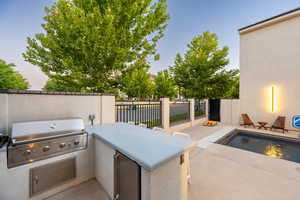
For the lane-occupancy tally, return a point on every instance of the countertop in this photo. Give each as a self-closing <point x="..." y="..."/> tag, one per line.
<point x="147" y="147"/>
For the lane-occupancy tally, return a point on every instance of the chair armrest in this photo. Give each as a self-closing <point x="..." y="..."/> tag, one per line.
<point x="183" y="135"/>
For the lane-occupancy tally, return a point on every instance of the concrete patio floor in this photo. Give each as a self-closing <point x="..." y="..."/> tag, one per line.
<point x="89" y="190"/>
<point x="224" y="173"/>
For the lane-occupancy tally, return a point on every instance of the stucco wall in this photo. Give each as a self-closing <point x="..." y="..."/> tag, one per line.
<point x="270" y="57"/>
<point x="31" y="107"/>
<point x="230" y="111"/>
<point x="104" y="166"/>
<point x="169" y="181"/>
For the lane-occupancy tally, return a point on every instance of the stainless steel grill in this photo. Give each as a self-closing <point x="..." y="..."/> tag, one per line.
<point x="32" y="141"/>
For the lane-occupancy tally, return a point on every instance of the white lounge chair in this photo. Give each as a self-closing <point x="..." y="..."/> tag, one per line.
<point x="158" y="129"/>
<point x="143" y="125"/>
<point x="131" y="122"/>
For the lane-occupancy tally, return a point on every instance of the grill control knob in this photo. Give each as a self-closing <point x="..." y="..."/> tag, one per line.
<point x="27" y="152"/>
<point x="62" y="145"/>
<point x="76" y="142"/>
<point x="46" y="148"/>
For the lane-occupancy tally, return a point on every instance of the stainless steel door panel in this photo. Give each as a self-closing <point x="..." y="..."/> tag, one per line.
<point x="45" y="177"/>
<point x="127" y="178"/>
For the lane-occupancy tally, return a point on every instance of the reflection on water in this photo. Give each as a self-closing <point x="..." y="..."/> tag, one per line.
<point x="274" y="150"/>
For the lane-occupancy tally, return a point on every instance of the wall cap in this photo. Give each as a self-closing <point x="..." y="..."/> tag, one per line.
<point x="40" y="92"/>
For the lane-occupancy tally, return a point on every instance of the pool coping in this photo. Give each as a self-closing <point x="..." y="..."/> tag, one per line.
<point x="218" y="135"/>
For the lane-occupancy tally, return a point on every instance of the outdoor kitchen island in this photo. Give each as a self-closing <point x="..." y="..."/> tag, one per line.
<point x="133" y="162"/>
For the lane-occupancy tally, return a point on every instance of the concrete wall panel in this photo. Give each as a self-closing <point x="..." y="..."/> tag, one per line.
<point x="32" y="107"/>
<point x="230" y="111"/>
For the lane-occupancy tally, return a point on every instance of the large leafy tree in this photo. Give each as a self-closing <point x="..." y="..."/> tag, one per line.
<point x="88" y="44"/>
<point x="137" y="81"/>
<point x="201" y="73"/>
<point x="164" y="85"/>
<point x="10" y="79"/>
<point x="234" y="90"/>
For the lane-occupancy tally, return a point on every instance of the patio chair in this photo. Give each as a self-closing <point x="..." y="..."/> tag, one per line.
<point x="155" y="128"/>
<point x="186" y="136"/>
<point x="279" y="124"/>
<point x="143" y="125"/>
<point x="247" y="121"/>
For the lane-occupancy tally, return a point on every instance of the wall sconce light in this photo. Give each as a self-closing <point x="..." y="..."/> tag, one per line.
<point x="273" y="99"/>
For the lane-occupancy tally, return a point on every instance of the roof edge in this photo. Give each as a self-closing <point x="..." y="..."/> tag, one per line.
<point x="269" y="19"/>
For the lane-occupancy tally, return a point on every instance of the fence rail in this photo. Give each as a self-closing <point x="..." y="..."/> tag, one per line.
<point x="147" y="112"/>
<point x="200" y="109"/>
<point x="179" y="111"/>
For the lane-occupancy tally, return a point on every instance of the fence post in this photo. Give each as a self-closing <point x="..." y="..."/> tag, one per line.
<point x="206" y="108"/>
<point x="107" y="109"/>
<point x="165" y="113"/>
<point x="192" y="110"/>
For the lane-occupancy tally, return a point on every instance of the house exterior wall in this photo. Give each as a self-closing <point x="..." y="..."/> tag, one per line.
<point x="269" y="56"/>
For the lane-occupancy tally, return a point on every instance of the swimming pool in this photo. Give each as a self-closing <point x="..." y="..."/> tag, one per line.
<point x="273" y="146"/>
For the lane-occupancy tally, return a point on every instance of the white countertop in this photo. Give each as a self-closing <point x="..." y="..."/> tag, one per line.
<point x="147" y="147"/>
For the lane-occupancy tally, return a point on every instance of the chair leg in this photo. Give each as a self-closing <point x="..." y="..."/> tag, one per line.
<point x="189" y="177"/>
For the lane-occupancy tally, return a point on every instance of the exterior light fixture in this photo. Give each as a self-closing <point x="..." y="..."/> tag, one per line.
<point x="273" y="99"/>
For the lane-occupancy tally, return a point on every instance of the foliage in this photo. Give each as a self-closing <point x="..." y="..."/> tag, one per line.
<point x="57" y="86"/>
<point x="200" y="72"/>
<point x="10" y="79"/>
<point x="137" y="82"/>
<point x="88" y="45"/>
<point x="179" y="117"/>
<point x="164" y="85"/>
<point x="234" y="90"/>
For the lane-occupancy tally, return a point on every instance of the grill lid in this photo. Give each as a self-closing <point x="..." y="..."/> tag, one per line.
<point x="34" y="130"/>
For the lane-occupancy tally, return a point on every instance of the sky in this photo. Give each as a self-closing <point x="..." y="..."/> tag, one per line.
<point x="20" y="19"/>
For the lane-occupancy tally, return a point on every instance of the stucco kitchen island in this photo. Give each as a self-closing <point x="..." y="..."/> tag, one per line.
<point x="159" y="159"/>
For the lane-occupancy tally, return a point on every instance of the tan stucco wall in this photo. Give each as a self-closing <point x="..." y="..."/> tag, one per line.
<point x="230" y="111"/>
<point x="104" y="166"/>
<point x="31" y="107"/>
<point x="169" y="181"/>
<point x="270" y="57"/>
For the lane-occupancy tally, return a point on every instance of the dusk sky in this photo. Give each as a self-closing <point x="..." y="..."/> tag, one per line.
<point x="22" y="18"/>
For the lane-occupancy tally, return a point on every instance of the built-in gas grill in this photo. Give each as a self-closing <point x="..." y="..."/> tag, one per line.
<point x="38" y="140"/>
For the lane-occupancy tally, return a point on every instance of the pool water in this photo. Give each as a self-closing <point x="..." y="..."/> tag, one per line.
<point x="277" y="147"/>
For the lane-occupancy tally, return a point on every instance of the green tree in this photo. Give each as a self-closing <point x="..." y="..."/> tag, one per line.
<point x="164" y="85"/>
<point x="137" y="82"/>
<point x="88" y="45"/>
<point x="234" y="90"/>
<point x="10" y="79"/>
<point x="201" y="73"/>
<point x="57" y="86"/>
